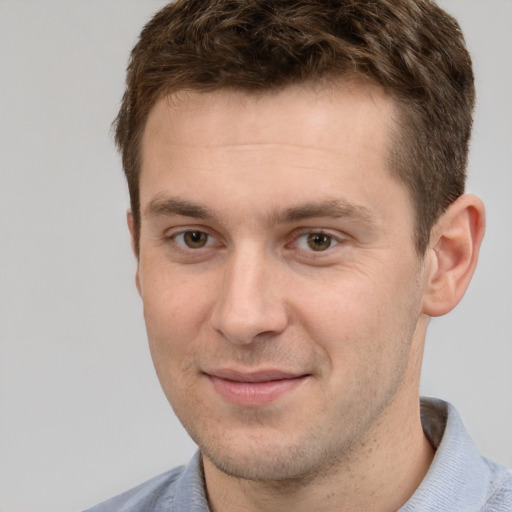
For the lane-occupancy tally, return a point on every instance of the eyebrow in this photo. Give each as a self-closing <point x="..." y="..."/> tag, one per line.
<point x="169" y="206"/>
<point x="336" y="208"/>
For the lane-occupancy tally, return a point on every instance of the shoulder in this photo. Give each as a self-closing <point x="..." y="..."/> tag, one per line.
<point x="180" y="488"/>
<point x="155" y="494"/>
<point x="500" y="489"/>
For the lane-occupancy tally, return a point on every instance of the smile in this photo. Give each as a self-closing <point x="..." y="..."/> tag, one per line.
<point x="254" y="389"/>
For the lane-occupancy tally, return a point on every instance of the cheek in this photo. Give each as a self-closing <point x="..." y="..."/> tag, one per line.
<point x="170" y="336"/>
<point x="338" y="309"/>
<point x="174" y="313"/>
<point x="363" y="319"/>
<point x="172" y="300"/>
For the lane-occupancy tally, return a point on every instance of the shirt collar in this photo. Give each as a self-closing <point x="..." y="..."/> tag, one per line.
<point x="458" y="477"/>
<point x="190" y="495"/>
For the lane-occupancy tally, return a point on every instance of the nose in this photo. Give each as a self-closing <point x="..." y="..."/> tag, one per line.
<point x="250" y="305"/>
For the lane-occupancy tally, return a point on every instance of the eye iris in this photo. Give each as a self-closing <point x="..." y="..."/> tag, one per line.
<point x="195" y="239"/>
<point x="319" y="241"/>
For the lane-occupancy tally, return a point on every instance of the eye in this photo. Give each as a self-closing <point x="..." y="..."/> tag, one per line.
<point x="316" y="242"/>
<point x="193" y="239"/>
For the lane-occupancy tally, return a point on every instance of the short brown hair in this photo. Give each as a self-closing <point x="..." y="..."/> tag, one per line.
<point x="411" y="48"/>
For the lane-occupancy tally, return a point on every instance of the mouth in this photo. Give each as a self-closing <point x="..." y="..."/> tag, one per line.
<point x="254" y="389"/>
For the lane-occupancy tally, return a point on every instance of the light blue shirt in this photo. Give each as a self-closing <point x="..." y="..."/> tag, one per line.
<point x="459" y="479"/>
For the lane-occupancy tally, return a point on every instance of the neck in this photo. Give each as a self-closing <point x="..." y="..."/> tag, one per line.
<point x="378" y="475"/>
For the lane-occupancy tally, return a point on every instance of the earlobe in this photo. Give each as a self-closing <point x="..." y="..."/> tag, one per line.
<point x="131" y="227"/>
<point x="453" y="252"/>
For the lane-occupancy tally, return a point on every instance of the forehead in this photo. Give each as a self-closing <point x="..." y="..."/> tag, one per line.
<point x="307" y="114"/>
<point x="255" y="152"/>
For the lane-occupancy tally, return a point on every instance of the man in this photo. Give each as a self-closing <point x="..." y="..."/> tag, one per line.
<point x="296" y="174"/>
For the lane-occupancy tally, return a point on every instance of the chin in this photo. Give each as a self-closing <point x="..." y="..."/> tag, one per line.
<point x="270" y="461"/>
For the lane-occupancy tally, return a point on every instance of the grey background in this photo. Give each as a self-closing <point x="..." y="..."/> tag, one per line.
<point x="82" y="416"/>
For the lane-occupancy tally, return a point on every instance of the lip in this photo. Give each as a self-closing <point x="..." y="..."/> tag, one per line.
<point x="251" y="389"/>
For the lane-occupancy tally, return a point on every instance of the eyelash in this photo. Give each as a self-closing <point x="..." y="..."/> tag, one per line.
<point x="178" y="239"/>
<point x="309" y="236"/>
<point x="191" y="232"/>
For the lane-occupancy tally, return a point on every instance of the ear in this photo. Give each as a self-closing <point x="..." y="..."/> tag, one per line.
<point x="453" y="253"/>
<point x="131" y="227"/>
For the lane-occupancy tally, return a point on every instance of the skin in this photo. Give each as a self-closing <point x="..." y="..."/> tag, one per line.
<point x="274" y="238"/>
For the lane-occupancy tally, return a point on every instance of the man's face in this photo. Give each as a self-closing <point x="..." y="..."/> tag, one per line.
<point x="282" y="291"/>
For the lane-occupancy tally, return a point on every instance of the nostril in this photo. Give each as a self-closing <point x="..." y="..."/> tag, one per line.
<point x="244" y="327"/>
